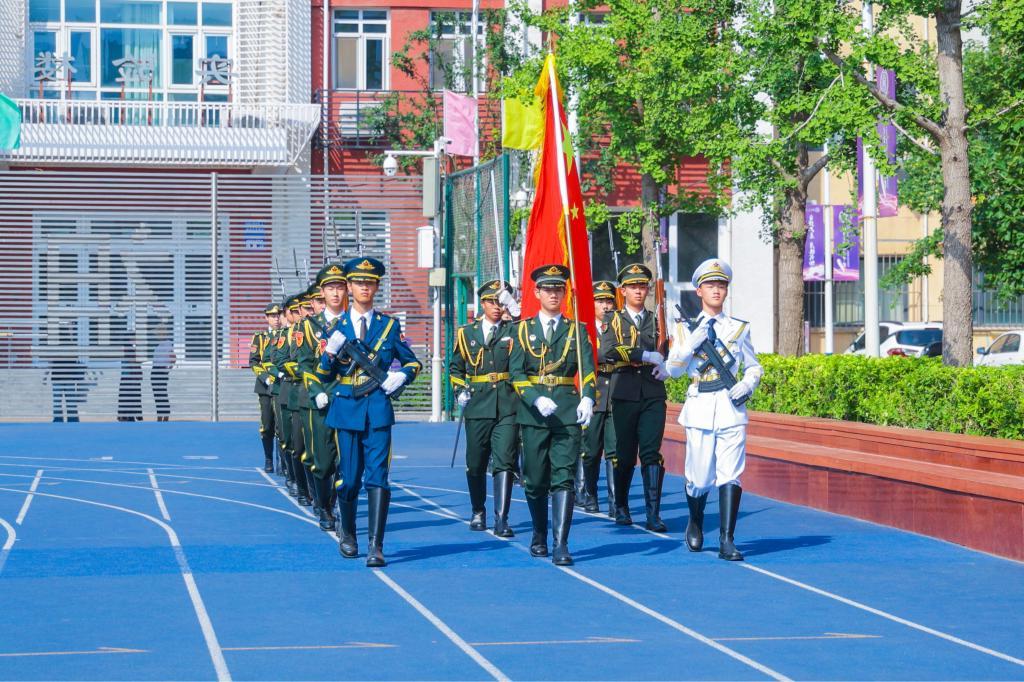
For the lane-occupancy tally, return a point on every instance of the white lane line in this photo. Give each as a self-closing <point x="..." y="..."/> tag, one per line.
<point x="12" y="535"/>
<point x="159" y="496"/>
<point x="209" y="635"/>
<point x="850" y="602"/>
<point x="170" y="473"/>
<point x="889" y="616"/>
<point x="103" y="650"/>
<point x="675" y="625"/>
<point x="28" y="498"/>
<point x="465" y="646"/>
<point x="99" y="460"/>
<point x="314" y="647"/>
<point x="560" y="642"/>
<point x="452" y="636"/>
<point x="827" y="635"/>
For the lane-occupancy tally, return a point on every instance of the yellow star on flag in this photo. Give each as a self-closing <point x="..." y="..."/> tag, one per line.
<point x="575" y="211"/>
<point x="570" y="153"/>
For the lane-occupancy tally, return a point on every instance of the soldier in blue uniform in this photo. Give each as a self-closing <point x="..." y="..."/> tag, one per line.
<point x="363" y="424"/>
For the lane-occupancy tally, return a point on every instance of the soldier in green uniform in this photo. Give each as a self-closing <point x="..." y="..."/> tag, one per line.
<point x="278" y="357"/>
<point x="321" y="453"/>
<point x="275" y="341"/>
<point x="479" y="373"/>
<point x="292" y="394"/>
<point x="259" y="363"/>
<point x="547" y="355"/>
<point x="599" y="437"/>
<point x="638" y="395"/>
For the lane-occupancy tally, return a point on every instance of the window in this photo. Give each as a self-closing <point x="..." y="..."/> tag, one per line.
<point x="698" y="241"/>
<point x="141" y="46"/>
<point x="44" y="10"/>
<point x="216" y="14"/>
<point x="216" y="46"/>
<point x="81" y="52"/>
<point x="918" y="337"/>
<point x="130" y="11"/>
<point x="182" y="14"/>
<point x="44" y="41"/>
<point x="452" y="62"/>
<point x="360" y="46"/>
<point x="848" y="299"/>
<point x="182" y="60"/>
<point x="1011" y="343"/>
<point x="80" y="10"/>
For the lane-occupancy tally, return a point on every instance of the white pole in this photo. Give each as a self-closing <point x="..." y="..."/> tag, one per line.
<point x="214" y="294"/>
<point x="325" y="85"/>
<point x="473" y="74"/>
<point x="826" y="207"/>
<point x="499" y="244"/>
<point x="435" y="361"/>
<point x="870" y="219"/>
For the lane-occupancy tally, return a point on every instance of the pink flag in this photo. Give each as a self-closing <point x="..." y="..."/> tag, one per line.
<point x="460" y="123"/>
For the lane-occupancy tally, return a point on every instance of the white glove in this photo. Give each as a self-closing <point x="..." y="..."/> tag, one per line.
<point x="697" y="338"/>
<point x="585" y="411"/>
<point x="508" y="300"/>
<point x="280" y="375"/>
<point x="394" y="382"/>
<point x="335" y="343"/>
<point x="321" y="401"/>
<point x="653" y="357"/>
<point x="269" y="381"/>
<point x="660" y="373"/>
<point x="546" y="406"/>
<point x="463" y="399"/>
<point x="739" y="391"/>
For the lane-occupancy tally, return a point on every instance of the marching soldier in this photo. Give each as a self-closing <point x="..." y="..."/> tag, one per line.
<point x="600" y="435"/>
<point x="363" y="419"/>
<point x="320" y="451"/>
<point x="479" y="372"/>
<point x="276" y="389"/>
<point x="714" y="413"/>
<point x="292" y="394"/>
<point x="544" y="367"/>
<point x="259" y="363"/>
<point x="278" y="357"/>
<point x="638" y="395"/>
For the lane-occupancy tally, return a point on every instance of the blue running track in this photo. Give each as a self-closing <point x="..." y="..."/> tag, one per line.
<point x="161" y="551"/>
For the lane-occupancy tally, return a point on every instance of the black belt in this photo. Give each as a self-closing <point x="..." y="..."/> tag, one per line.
<point x="710" y="386"/>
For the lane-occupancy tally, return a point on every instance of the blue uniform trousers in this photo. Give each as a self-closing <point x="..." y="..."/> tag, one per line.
<point x="364" y="459"/>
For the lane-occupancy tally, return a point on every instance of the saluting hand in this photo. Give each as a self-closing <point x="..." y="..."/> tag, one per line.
<point x="508" y="300"/>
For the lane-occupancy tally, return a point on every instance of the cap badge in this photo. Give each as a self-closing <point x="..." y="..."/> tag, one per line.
<point x="553" y="270"/>
<point x="365" y="265"/>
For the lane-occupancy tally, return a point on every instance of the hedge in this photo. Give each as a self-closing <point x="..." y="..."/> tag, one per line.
<point x="916" y="393"/>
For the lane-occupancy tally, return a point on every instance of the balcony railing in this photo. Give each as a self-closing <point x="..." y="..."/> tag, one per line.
<point x="376" y="119"/>
<point x="162" y="133"/>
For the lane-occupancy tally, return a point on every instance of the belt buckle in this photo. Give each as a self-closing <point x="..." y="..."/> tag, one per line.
<point x="492" y="377"/>
<point x="549" y="380"/>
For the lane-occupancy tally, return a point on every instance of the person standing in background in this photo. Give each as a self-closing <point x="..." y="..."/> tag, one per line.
<point x="164" y="360"/>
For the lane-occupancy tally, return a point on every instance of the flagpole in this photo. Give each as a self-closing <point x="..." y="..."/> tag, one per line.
<point x="563" y="188"/>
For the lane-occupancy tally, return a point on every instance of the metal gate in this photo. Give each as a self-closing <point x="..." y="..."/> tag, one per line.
<point x="114" y="289"/>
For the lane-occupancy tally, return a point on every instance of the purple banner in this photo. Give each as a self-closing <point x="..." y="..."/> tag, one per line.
<point x="845" y="244"/>
<point x="887" y="188"/>
<point x="814" y="246"/>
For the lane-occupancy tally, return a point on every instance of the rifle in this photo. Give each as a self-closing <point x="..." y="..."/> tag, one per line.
<point x="719" y="357"/>
<point x="660" y="314"/>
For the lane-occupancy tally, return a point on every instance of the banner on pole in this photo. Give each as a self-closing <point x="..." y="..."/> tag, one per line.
<point x="845" y="244"/>
<point x="814" y="245"/>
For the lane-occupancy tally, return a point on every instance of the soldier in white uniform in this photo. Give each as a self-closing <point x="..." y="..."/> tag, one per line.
<point x="714" y="414"/>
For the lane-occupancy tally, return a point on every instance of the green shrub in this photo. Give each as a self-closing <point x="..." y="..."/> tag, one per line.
<point x="911" y="392"/>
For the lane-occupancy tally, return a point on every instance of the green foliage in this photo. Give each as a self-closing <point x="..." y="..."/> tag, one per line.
<point x="909" y="392"/>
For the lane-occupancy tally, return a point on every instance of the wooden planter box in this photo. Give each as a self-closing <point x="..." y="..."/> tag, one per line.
<point x="964" y="489"/>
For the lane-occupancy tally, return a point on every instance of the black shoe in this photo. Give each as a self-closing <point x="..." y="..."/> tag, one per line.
<point x="609" y="481"/>
<point x="326" y="521"/>
<point x="539" y="515"/>
<point x="347" y="520"/>
<point x="268" y="466"/>
<point x="502" y="501"/>
<point x="623" y="481"/>
<point x="303" y="500"/>
<point x="378" y="500"/>
<point x="728" y="510"/>
<point x="622" y="517"/>
<point x="477" y="498"/>
<point x="695" y="526"/>
<point x="654" y="476"/>
<point x="561" y="521"/>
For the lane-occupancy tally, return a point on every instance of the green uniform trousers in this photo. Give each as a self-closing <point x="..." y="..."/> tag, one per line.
<point x="318" y="443"/>
<point x="295" y="441"/>
<point x="490" y="440"/>
<point x="639" y="429"/>
<point x="282" y="426"/>
<point x="599" y="437"/>
<point x="549" y="458"/>
<point x="268" y="415"/>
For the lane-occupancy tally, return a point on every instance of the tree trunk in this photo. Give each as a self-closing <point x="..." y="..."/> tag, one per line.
<point x="957" y="280"/>
<point x="791" y="278"/>
<point x="649" y="191"/>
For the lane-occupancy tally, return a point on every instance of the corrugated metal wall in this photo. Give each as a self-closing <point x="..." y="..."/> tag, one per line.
<point x="105" y="278"/>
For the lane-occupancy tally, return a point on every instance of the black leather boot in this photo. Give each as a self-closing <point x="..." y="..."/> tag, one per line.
<point x="609" y="482"/>
<point x="539" y="515"/>
<point x="561" y="521"/>
<point x="579" y="499"/>
<point x="654" y="477"/>
<point x="289" y="476"/>
<point x="502" y="501"/>
<point x="323" y="496"/>
<point x="695" y="526"/>
<point x="302" y="490"/>
<point x="477" y="499"/>
<point x="623" y="481"/>
<point x="728" y="509"/>
<point x="591" y="470"/>
<point x="268" y="453"/>
<point x="280" y="469"/>
<point x="311" y="488"/>
<point x="379" y="500"/>
<point x="347" y="545"/>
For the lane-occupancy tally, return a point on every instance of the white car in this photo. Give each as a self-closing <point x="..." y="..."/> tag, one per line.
<point x="1005" y="350"/>
<point x="885" y="330"/>
<point x="913" y="340"/>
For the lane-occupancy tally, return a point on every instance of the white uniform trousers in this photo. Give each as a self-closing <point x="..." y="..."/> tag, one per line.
<point x="714" y="457"/>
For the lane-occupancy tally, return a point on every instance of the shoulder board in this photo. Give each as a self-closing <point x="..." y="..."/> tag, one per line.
<point x="736" y="319"/>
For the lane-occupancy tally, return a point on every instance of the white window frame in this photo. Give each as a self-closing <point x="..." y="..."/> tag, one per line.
<point x="463" y="29"/>
<point x="362" y="37"/>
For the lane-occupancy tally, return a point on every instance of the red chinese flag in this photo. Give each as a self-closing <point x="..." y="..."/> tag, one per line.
<point x="558" y="198"/>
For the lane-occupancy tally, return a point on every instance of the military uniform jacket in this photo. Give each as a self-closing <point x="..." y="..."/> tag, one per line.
<point x="604" y="374"/>
<point x="310" y="342"/>
<point x="279" y="359"/>
<point x="622" y="346"/>
<point x="541" y="370"/>
<point x="374" y="410"/>
<point x="714" y="410"/>
<point x="483" y="370"/>
<point x="259" y="361"/>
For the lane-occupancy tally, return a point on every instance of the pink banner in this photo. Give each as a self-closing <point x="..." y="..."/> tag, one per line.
<point x="460" y="123"/>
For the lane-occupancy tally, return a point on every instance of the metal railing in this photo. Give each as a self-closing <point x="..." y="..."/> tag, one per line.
<point x="199" y="133"/>
<point x="375" y="119"/>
